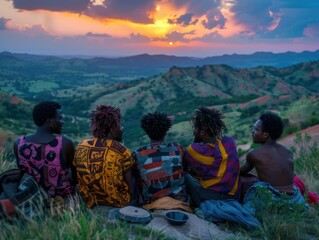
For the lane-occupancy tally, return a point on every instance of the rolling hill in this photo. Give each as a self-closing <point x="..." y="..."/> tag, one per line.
<point x="240" y="93"/>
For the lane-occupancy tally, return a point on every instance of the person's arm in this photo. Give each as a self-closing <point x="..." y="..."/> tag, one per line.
<point x="68" y="153"/>
<point x="127" y="176"/>
<point x="248" y="165"/>
<point x="15" y="150"/>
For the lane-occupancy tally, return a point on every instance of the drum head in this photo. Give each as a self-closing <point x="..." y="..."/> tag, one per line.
<point x="134" y="214"/>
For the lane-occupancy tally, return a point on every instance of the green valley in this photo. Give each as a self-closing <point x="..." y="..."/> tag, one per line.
<point x="79" y="85"/>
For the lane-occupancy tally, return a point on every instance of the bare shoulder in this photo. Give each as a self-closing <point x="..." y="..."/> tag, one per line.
<point x="253" y="155"/>
<point x="66" y="141"/>
<point x="284" y="150"/>
<point x="253" y="152"/>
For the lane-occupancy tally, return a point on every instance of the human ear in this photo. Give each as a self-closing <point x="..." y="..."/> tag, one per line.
<point x="266" y="134"/>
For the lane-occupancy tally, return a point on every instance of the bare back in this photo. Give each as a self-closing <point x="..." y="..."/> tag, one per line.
<point x="273" y="163"/>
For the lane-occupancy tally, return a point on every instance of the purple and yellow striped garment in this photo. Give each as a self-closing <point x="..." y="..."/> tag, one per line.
<point x="216" y="166"/>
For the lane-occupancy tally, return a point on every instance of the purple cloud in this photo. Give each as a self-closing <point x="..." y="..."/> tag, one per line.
<point x="97" y="35"/>
<point x="312" y="30"/>
<point x="210" y="37"/>
<point x="52" y="5"/>
<point x="183" y="20"/>
<point x="139" y="38"/>
<point x="214" y="19"/>
<point x="276" y="19"/>
<point x="293" y="23"/>
<point x="196" y="10"/>
<point x="257" y="16"/>
<point x="136" y="11"/>
<point x="3" y="23"/>
<point x="176" y="37"/>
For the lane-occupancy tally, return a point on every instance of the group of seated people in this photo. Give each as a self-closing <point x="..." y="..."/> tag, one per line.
<point x="105" y="172"/>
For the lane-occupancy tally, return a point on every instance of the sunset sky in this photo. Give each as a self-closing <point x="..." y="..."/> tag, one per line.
<point x="175" y="27"/>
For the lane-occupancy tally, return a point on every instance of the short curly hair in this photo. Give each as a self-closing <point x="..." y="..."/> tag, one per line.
<point x="105" y="118"/>
<point x="209" y="120"/>
<point x="44" y="110"/>
<point x="272" y="124"/>
<point x="156" y="125"/>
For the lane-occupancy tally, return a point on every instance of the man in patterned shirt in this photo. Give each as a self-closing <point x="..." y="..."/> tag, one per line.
<point x="103" y="163"/>
<point x="159" y="164"/>
<point x="46" y="154"/>
<point x="211" y="159"/>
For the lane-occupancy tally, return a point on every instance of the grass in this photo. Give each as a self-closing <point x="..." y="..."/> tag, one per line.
<point x="76" y="223"/>
<point x="278" y="221"/>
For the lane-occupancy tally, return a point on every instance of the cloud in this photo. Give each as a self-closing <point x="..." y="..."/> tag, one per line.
<point x="35" y="40"/>
<point x="52" y="5"/>
<point x="135" y="11"/>
<point x="176" y="37"/>
<point x="210" y="37"/>
<point x="139" y="38"/>
<point x="3" y="23"/>
<point x="97" y="35"/>
<point x="183" y="20"/>
<point x="35" y="30"/>
<point x="256" y="16"/>
<point x="214" y="19"/>
<point x="196" y="10"/>
<point x="312" y="30"/>
<point x="293" y="23"/>
<point x="275" y="19"/>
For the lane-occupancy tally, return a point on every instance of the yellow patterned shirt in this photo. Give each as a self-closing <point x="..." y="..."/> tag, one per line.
<point x="100" y="166"/>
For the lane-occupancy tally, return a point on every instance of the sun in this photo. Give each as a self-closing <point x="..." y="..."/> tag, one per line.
<point x="171" y="43"/>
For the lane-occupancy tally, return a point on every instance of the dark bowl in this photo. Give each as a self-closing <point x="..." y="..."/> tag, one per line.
<point x="176" y="218"/>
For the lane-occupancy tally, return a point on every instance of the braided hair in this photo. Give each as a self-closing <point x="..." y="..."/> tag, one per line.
<point x="105" y="118"/>
<point x="156" y="125"/>
<point x="209" y="120"/>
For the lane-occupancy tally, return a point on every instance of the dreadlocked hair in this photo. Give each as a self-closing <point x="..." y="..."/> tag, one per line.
<point x="209" y="120"/>
<point x="105" y="118"/>
<point x="156" y="125"/>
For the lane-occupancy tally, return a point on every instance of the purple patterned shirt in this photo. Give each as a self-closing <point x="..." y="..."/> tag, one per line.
<point x="216" y="166"/>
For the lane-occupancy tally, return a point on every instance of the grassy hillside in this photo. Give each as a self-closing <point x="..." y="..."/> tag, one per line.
<point x="79" y="224"/>
<point x="240" y="93"/>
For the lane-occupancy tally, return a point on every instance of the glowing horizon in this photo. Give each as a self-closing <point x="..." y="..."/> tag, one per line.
<point x="175" y="27"/>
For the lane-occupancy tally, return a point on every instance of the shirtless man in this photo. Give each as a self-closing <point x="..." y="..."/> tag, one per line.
<point x="273" y="162"/>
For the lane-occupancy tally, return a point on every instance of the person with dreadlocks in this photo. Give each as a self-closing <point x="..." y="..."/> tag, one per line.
<point x="103" y="163"/>
<point x="159" y="166"/>
<point x="211" y="160"/>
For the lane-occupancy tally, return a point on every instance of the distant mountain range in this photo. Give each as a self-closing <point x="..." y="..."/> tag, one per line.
<point x="81" y="84"/>
<point x="145" y="65"/>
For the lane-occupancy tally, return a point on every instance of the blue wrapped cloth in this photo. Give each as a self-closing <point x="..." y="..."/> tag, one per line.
<point x="253" y="200"/>
<point x="230" y="210"/>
